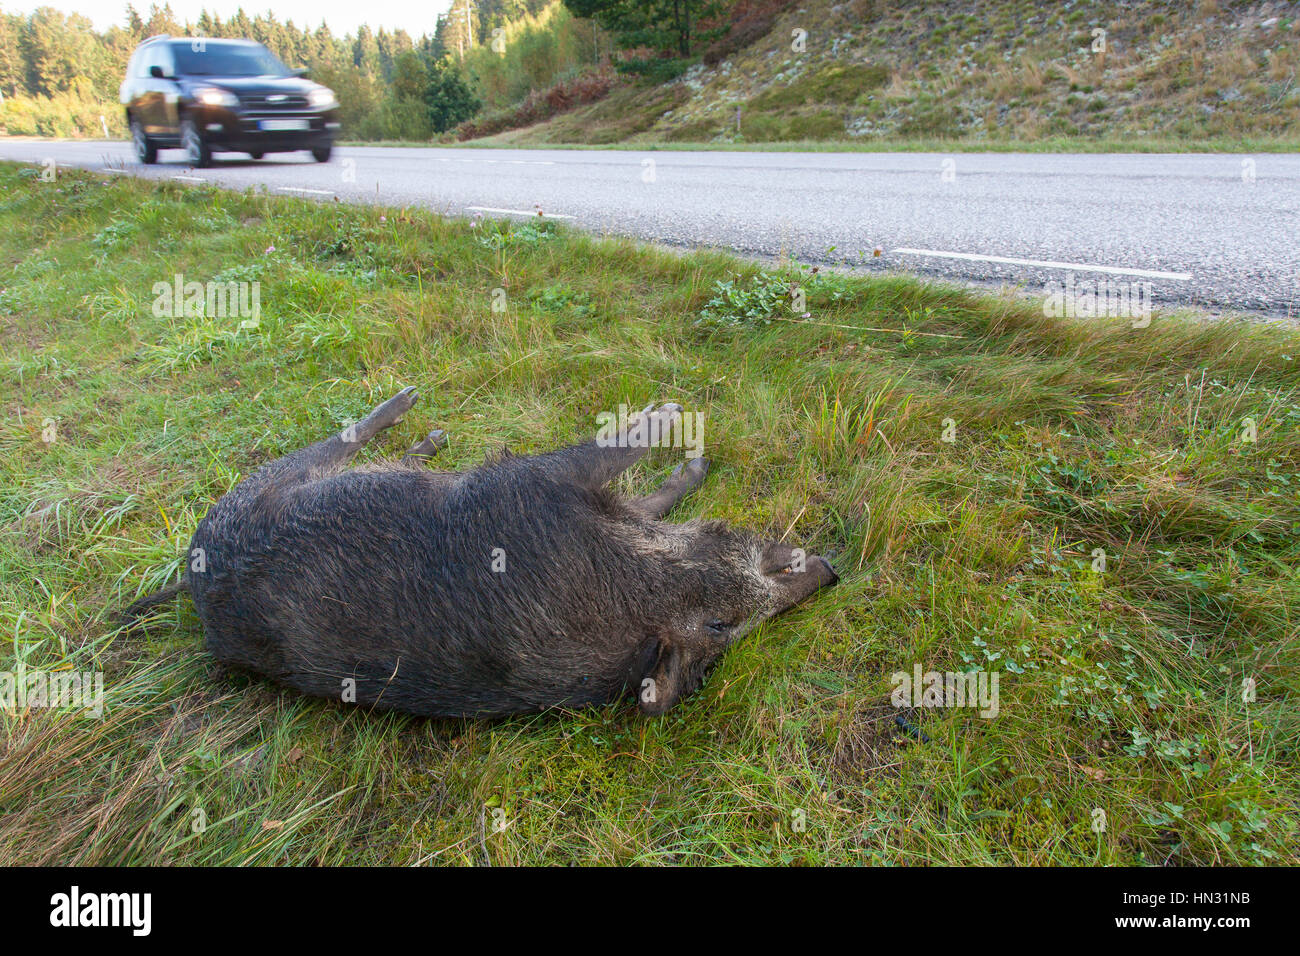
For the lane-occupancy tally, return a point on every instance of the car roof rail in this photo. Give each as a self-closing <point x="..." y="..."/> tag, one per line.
<point x="159" y="36"/>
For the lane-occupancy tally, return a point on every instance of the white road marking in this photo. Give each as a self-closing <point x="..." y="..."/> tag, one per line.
<point x="107" y="169"/>
<point x="519" y="212"/>
<point x="513" y="162"/>
<point x="1049" y="264"/>
<point x="296" y="189"/>
<point x="190" y="179"/>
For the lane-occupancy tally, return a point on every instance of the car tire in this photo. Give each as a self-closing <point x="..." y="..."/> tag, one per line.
<point x="322" y="153"/>
<point x="145" y="150"/>
<point x="256" y="155"/>
<point x="196" y="148"/>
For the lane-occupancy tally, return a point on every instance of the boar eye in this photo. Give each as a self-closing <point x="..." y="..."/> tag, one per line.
<point x="718" y="626"/>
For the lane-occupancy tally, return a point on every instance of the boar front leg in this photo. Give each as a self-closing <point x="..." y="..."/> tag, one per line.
<point x="684" y="479"/>
<point x="601" y="460"/>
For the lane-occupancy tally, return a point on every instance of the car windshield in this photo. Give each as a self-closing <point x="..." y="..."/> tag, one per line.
<point x="226" y="59"/>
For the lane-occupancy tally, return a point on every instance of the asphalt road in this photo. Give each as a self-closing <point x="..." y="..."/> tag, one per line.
<point x="1215" y="231"/>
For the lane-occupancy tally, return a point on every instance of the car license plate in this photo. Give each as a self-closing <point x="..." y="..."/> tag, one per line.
<point x="280" y="126"/>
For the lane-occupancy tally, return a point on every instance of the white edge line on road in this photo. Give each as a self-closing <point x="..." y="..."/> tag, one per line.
<point x="297" y="189"/>
<point x="190" y="179"/>
<point x="107" y="169"/>
<point x="520" y="212"/>
<point x="1049" y="264"/>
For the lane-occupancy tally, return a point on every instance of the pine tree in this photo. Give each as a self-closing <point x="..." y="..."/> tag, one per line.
<point x="59" y="50"/>
<point x="161" y="21"/>
<point x="457" y="27"/>
<point x="134" y="23"/>
<point x="449" y="99"/>
<point x="365" y="52"/>
<point x="668" y="26"/>
<point x="12" y="70"/>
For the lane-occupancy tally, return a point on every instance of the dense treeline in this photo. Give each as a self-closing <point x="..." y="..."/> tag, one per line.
<point x="59" y="76"/>
<point x="503" y="63"/>
<point x="658" y="37"/>
<point x="529" y="53"/>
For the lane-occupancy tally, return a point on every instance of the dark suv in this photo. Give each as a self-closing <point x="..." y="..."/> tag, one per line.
<point x="202" y="94"/>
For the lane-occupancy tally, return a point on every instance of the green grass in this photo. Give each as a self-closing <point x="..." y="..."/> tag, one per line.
<point x="1120" y="690"/>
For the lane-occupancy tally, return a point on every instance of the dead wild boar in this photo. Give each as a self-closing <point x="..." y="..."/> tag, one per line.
<point x="516" y="586"/>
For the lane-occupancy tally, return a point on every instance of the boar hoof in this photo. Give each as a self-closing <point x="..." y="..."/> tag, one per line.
<point x="428" y="446"/>
<point x="392" y="411"/>
<point x="695" y="469"/>
<point x="666" y="415"/>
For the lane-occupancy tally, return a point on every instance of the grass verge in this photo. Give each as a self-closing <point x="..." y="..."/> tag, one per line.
<point x="1123" y="733"/>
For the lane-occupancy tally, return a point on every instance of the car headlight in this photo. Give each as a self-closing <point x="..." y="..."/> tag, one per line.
<point x="212" y="96"/>
<point x="321" y="97"/>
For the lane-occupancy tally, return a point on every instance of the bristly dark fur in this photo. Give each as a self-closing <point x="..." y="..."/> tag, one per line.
<point x="381" y="585"/>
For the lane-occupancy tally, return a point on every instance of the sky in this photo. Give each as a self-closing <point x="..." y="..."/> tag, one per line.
<point x="343" y="16"/>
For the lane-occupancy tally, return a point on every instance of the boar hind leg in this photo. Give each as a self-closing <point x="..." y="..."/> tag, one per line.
<point x="329" y="456"/>
<point x="601" y="460"/>
<point x="426" y="447"/>
<point x="684" y="479"/>
<point x="337" y="450"/>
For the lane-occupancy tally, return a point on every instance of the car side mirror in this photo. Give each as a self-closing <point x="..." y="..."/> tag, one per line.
<point x="157" y="73"/>
<point x="301" y="71"/>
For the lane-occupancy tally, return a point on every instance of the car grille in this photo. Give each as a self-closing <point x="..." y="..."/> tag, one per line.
<point x="270" y="102"/>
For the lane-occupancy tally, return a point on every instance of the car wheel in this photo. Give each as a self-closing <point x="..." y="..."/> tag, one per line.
<point x="256" y="155"/>
<point x="322" y="153"/>
<point x="145" y="151"/>
<point x="196" y="150"/>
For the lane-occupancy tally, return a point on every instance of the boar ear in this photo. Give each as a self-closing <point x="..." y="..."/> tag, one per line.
<point x="662" y="684"/>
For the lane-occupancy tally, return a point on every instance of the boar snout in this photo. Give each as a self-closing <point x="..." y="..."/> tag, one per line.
<point x="794" y="576"/>
<point x="824" y="570"/>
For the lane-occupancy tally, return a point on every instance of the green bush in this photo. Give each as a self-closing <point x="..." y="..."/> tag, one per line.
<point x="822" y="125"/>
<point x="698" y="132"/>
<point x="837" y="83"/>
<point x="64" y="115"/>
<point x="655" y="70"/>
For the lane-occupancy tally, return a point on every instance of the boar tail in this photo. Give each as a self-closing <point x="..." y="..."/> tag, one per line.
<point x="132" y="612"/>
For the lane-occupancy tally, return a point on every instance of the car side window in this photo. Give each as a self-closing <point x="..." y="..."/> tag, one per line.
<point x="165" y="59"/>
